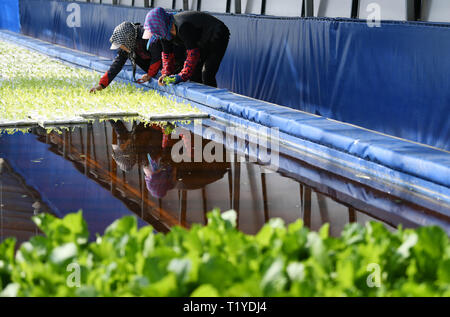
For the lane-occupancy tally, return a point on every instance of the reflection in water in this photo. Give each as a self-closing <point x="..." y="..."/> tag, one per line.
<point x="136" y="164"/>
<point x="151" y="148"/>
<point x="18" y="203"/>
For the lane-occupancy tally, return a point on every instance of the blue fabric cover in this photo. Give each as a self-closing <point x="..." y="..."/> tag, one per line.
<point x="9" y="15"/>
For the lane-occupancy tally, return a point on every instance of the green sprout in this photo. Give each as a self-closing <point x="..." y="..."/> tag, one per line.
<point x="169" y="80"/>
<point x="35" y="84"/>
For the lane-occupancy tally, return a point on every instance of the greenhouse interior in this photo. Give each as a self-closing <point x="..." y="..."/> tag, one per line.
<point x="225" y="149"/>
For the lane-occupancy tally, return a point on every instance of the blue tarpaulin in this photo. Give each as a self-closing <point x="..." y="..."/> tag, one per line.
<point x="392" y="79"/>
<point x="9" y="15"/>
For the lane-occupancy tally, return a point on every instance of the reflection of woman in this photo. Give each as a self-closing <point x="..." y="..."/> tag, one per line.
<point x="162" y="174"/>
<point x="134" y="144"/>
<point x="124" y="152"/>
<point x="151" y="148"/>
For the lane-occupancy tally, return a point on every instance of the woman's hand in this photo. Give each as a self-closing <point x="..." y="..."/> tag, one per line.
<point x="145" y="78"/>
<point x="169" y="80"/>
<point x="161" y="80"/>
<point x="96" y="88"/>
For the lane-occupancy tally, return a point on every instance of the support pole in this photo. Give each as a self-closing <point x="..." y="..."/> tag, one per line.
<point x="351" y="215"/>
<point x="183" y="207"/>
<point x="88" y="151"/>
<point x="265" y="200"/>
<point x="236" y="188"/>
<point x="307" y="207"/>
<point x="114" y="166"/>
<point x="263" y="7"/>
<point x="309" y="8"/>
<point x="323" y="209"/>
<point x="237" y="6"/>
<point x="355" y="9"/>
<point x="205" y="205"/>
<point x="301" y="198"/>
<point x="414" y="10"/>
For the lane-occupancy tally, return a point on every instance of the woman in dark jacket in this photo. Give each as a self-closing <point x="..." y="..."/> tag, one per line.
<point x="204" y="37"/>
<point x="127" y="38"/>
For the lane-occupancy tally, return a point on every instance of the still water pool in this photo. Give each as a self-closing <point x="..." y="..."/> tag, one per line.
<point x="113" y="168"/>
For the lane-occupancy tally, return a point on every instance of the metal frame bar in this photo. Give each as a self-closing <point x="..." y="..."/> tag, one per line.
<point x="351" y="215"/>
<point x="65" y="144"/>
<point x="230" y="186"/>
<point x="307" y="8"/>
<point x="355" y="9"/>
<point x="307" y="207"/>
<point x="323" y="209"/>
<point x="205" y="205"/>
<point x="237" y="6"/>
<point x="236" y="187"/>
<point x="141" y="191"/>
<point x="265" y="200"/>
<point x="263" y="7"/>
<point x="418" y="10"/>
<point x="414" y="10"/>
<point x="108" y="155"/>
<point x="301" y="190"/>
<point x="414" y="7"/>
<point x="228" y="9"/>
<point x="113" y="165"/>
<point x="93" y="142"/>
<point x="183" y="206"/>
<point x="88" y="151"/>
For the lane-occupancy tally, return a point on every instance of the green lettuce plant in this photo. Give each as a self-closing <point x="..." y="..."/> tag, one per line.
<point x="32" y="83"/>
<point x="219" y="260"/>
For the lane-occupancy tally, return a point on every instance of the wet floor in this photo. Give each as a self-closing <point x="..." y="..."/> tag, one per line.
<point x="113" y="168"/>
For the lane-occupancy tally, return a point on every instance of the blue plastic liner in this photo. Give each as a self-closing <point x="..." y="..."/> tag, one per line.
<point x="392" y="79"/>
<point x="9" y="15"/>
<point x="335" y="146"/>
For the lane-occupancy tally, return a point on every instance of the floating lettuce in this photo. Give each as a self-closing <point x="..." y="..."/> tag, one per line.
<point x="219" y="260"/>
<point x="34" y="85"/>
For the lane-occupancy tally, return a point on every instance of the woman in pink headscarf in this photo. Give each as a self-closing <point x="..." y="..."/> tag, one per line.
<point x="204" y="37"/>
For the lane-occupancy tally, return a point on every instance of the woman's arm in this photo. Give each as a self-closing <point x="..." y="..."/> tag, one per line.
<point x="189" y="35"/>
<point x="114" y="69"/>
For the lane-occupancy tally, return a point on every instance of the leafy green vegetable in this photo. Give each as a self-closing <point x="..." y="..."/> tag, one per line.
<point x="219" y="260"/>
<point x="34" y="84"/>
